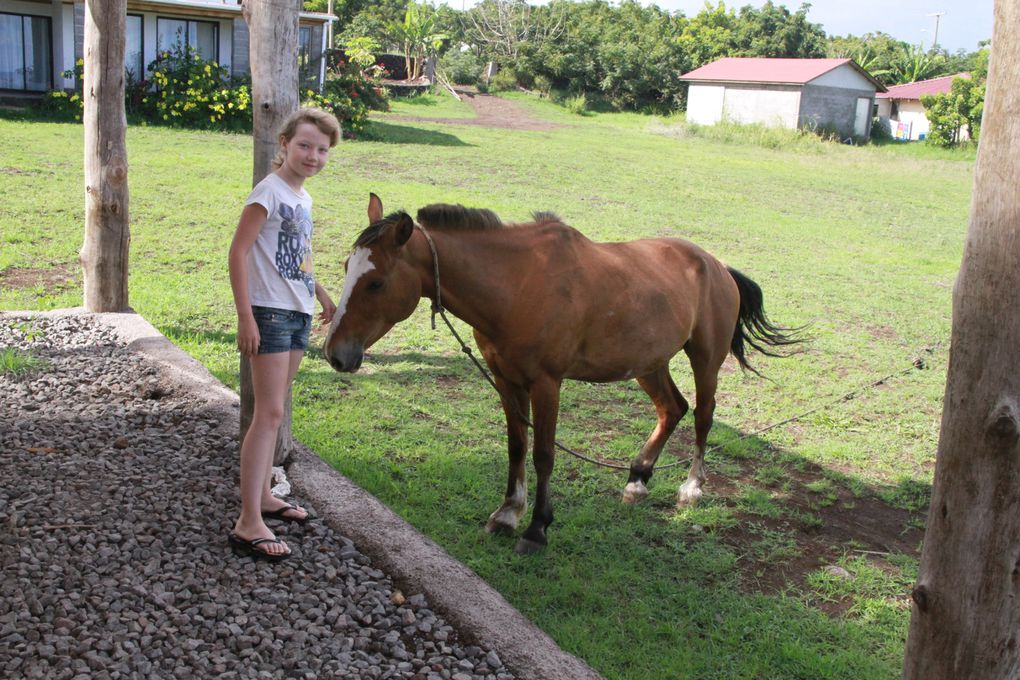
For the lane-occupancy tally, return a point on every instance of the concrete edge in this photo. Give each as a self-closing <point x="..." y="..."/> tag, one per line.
<point x="394" y="546"/>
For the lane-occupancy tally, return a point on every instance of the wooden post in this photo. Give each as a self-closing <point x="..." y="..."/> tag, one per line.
<point x="965" y="621"/>
<point x="273" y="56"/>
<point x="104" y="254"/>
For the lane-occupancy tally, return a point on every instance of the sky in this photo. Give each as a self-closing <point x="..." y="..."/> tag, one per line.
<point x="962" y="24"/>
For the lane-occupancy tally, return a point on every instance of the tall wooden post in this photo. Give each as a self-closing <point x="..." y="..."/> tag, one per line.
<point x="273" y="56"/>
<point x="104" y="254"/>
<point x="965" y="621"/>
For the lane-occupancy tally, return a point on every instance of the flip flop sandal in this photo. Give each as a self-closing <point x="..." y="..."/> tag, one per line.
<point x="246" y="548"/>
<point x="279" y="514"/>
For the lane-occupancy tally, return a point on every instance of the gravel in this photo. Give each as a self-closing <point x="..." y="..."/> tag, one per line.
<point x="116" y="496"/>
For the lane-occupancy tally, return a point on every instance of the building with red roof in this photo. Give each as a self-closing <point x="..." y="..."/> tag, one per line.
<point x="815" y="94"/>
<point x="900" y="107"/>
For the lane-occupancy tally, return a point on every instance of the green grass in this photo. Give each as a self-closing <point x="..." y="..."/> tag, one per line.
<point x="17" y="363"/>
<point x="861" y="244"/>
<point x="438" y="104"/>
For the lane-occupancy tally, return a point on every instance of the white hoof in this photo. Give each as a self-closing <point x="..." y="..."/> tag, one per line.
<point x="634" y="492"/>
<point x="503" y="521"/>
<point x="688" y="495"/>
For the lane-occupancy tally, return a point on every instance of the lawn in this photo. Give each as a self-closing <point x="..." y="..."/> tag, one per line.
<point x="798" y="562"/>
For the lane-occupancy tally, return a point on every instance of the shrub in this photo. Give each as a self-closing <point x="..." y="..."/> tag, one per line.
<point x="543" y="84"/>
<point x="880" y="130"/>
<point x="461" y="68"/>
<point x="504" y="80"/>
<point x="62" y="106"/>
<point x="577" y="104"/>
<point x="349" y="94"/>
<point x="193" y="92"/>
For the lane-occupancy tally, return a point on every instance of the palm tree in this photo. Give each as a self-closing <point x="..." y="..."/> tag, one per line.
<point x="915" y="64"/>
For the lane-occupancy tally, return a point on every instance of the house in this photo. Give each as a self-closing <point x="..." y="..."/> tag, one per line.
<point x="41" y="39"/>
<point x="900" y="108"/>
<point x="815" y="94"/>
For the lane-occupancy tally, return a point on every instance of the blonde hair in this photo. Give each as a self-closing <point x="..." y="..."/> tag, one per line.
<point x="326" y="122"/>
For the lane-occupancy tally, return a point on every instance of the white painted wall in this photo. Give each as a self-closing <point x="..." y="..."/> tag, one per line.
<point x="846" y="77"/>
<point x="773" y="108"/>
<point x="705" y="104"/>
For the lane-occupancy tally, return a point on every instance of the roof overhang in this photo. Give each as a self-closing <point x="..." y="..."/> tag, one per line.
<point x="208" y="9"/>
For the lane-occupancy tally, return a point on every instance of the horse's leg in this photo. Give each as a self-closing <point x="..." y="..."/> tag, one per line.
<point x="515" y="405"/>
<point x="706" y="377"/>
<point x="545" y="406"/>
<point x="670" y="406"/>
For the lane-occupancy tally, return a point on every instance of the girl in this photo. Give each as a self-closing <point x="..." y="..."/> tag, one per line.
<point x="271" y="276"/>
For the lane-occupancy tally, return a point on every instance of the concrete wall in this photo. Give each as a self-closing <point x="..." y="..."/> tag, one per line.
<point x="771" y="105"/>
<point x="705" y="104"/>
<point x="835" y="108"/>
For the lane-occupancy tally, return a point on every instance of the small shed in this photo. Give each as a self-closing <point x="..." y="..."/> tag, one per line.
<point x="815" y="94"/>
<point x="900" y="107"/>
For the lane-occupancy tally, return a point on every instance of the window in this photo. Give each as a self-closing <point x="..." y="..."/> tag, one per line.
<point x="305" y="63"/>
<point x="202" y="36"/>
<point x="26" y="59"/>
<point x="133" y="51"/>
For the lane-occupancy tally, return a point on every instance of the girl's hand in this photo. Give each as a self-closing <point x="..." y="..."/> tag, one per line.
<point x="247" y="336"/>
<point x="328" y="309"/>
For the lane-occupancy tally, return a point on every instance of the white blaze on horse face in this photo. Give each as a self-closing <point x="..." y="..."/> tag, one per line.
<point x="358" y="265"/>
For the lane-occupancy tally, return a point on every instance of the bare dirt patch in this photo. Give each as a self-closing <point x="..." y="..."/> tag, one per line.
<point x="60" y="276"/>
<point x="858" y="525"/>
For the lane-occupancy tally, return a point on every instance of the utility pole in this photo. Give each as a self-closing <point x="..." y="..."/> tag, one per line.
<point x="937" y="15"/>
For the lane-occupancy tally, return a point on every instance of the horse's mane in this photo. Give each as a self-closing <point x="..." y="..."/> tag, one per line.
<point x="446" y="216"/>
<point x="375" y="230"/>
<point x="457" y="217"/>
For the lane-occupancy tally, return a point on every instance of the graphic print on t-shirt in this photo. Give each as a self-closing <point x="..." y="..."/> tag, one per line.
<point x="294" y="245"/>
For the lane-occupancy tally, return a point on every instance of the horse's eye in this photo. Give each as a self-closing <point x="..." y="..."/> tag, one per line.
<point x="375" y="286"/>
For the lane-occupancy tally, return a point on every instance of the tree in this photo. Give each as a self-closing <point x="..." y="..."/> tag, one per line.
<point x="375" y="19"/>
<point x="418" y="36"/>
<point x="965" y="621"/>
<point x="709" y="35"/>
<point x="773" y="31"/>
<point x="915" y="64"/>
<point x="502" y="27"/>
<point x="962" y="106"/>
<point x="273" y="47"/>
<point x="874" y="52"/>
<point x="104" y="254"/>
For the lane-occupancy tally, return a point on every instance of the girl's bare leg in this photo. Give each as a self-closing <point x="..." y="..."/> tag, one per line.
<point x="271" y="374"/>
<point x="269" y="501"/>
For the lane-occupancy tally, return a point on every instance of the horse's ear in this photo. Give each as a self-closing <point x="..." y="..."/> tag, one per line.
<point x="374" y="208"/>
<point x="402" y="229"/>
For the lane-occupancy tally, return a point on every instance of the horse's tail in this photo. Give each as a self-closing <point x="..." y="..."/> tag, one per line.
<point x="753" y="326"/>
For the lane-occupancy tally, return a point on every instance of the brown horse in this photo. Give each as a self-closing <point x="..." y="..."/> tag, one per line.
<point x="546" y="303"/>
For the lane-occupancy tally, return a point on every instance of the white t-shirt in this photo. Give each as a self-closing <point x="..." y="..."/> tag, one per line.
<point x="280" y="261"/>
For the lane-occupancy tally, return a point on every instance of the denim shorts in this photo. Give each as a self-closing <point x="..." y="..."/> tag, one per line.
<point x="281" y="330"/>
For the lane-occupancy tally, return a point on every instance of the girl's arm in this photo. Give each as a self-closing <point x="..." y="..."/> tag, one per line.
<point x="328" y="308"/>
<point x="253" y="217"/>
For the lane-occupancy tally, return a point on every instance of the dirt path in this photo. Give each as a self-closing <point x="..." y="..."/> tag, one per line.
<point x="492" y="112"/>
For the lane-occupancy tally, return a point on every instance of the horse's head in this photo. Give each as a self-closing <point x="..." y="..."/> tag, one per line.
<point x="381" y="288"/>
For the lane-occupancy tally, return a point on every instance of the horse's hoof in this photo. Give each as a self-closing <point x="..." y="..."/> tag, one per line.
<point x="526" y="546"/>
<point x="634" y="492"/>
<point x="688" y="497"/>
<point x="499" y="528"/>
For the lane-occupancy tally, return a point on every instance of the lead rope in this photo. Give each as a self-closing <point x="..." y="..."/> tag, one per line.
<point x="437" y="308"/>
